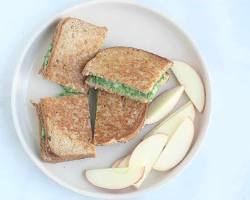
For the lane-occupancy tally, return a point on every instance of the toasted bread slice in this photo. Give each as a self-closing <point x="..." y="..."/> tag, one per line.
<point x="65" y="132"/>
<point x="118" y="119"/>
<point x="135" y="69"/>
<point x="74" y="43"/>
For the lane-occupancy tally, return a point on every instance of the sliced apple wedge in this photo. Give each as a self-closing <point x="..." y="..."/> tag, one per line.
<point x="125" y="161"/>
<point x="122" y="162"/>
<point x="176" y="147"/>
<point x="146" y="154"/>
<point x="115" y="178"/>
<point x="163" y="104"/>
<point x="192" y="83"/>
<point x="171" y="123"/>
<point x="116" y="163"/>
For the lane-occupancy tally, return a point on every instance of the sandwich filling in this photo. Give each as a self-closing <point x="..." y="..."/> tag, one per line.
<point x="43" y="134"/>
<point x="47" y="55"/>
<point x="125" y="89"/>
<point x="68" y="91"/>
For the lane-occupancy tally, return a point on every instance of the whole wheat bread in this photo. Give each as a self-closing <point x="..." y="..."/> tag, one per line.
<point x="68" y="132"/>
<point x="118" y="119"/>
<point x="74" y="43"/>
<point x="133" y="67"/>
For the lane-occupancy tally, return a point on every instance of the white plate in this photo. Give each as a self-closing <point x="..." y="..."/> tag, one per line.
<point x="129" y="24"/>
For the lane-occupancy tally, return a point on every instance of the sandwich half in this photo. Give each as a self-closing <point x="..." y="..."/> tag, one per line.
<point x="127" y="71"/>
<point x="118" y="119"/>
<point x="74" y="43"/>
<point x="65" y="132"/>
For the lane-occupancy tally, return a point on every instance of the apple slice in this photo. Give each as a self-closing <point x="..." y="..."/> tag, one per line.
<point x="125" y="161"/>
<point x="192" y="83"/>
<point x="171" y="123"/>
<point x="146" y="154"/>
<point x="163" y="104"/>
<point x="116" y="163"/>
<point x="177" y="147"/>
<point x="167" y="126"/>
<point x="122" y="162"/>
<point x="115" y="178"/>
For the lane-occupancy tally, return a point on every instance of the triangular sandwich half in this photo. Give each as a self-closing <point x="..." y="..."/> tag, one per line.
<point x="65" y="132"/>
<point x="74" y="43"/>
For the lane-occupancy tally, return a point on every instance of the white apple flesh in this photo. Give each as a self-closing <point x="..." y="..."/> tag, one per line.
<point x="146" y="154"/>
<point x="122" y="162"/>
<point x="192" y="83"/>
<point x="115" y="178"/>
<point x="125" y="161"/>
<point x="176" y="147"/>
<point x="171" y="123"/>
<point x="116" y="163"/>
<point x="168" y="126"/>
<point x="163" y="104"/>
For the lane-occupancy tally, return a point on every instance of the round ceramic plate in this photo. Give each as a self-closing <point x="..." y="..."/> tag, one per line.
<point x="129" y="24"/>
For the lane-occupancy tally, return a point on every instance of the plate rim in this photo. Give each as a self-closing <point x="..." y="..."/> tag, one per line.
<point x="177" y="170"/>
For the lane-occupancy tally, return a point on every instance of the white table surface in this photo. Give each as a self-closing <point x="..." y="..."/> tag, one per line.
<point x="221" y="170"/>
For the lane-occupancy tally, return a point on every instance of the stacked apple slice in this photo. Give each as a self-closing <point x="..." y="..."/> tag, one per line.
<point x="166" y="145"/>
<point x="171" y="123"/>
<point x="192" y="83"/>
<point x="159" y="151"/>
<point x="146" y="154"/>
<point x="115" y="178"/>
<point x="163" y="105"/>
<point x="176" y="147"/>
<point x="140" y="164"/>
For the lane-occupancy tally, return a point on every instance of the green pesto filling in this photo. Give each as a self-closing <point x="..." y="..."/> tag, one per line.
<point x="126" y="90"/>
<point x="68" y="91"/>
<point x="43" y="134"/>
<point x="47" y="55"/>
<point x="67" y="94"/>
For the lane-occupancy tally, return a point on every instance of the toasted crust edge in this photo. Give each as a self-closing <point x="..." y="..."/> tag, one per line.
<point x="56" y="35"/>
<point x="44" y="153"/>
<point x="137" y="49"/>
